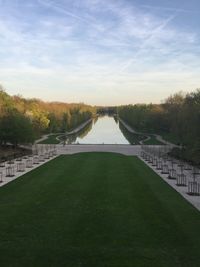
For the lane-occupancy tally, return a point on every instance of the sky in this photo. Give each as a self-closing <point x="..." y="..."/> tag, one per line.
<point x="100" y="52"/>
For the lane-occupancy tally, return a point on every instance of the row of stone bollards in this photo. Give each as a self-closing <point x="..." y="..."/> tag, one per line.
<point x="11" y="168"/>
<point x="184" y="174"/>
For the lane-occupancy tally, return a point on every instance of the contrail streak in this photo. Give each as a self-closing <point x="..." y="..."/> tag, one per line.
<point x="145" y="43"/>
<point x="60" y="9"/>
<point x="170" y="9"/>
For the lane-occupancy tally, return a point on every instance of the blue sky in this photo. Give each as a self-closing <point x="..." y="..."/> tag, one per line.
<point x="103" y="52"/>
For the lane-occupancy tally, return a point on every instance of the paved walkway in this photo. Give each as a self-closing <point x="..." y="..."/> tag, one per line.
<point x="122" y="149"/>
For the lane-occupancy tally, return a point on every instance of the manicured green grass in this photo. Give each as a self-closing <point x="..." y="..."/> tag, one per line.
<point x="133" y="138"/>
<point x="52" y="139"/>
<point x="153" y="141"/>
<point x="170" y="138"/>
<point x="96" y="210"/>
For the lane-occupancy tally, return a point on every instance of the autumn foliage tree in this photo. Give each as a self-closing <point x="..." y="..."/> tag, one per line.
<point x="23" y="120"/>
<point x="178" y="117"/>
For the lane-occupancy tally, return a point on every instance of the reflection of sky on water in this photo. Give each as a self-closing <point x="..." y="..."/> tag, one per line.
<point x="104" y="131"/>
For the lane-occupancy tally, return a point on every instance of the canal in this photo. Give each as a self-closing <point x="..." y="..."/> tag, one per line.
<point x="104" y="130"/>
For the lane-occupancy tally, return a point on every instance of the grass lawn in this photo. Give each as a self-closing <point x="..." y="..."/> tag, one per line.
<point x="51" y="139"/>
<point x="153" y="141"/>
<point x="96" y="210"/>
<point x="133" y="138"/>
<point x="170" y="138"/>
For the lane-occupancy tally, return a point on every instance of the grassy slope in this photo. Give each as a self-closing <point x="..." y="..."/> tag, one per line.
<point x="96" y="209"/>
<point x="170" y="138"/>
<point x="51" y="139"/>
<point x="153" y="141"/>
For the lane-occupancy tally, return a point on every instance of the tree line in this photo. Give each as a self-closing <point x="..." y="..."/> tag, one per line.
<point x="177" y="119"/>
<point x="24" y="120"/>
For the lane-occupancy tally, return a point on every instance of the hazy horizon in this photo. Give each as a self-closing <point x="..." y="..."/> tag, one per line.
<point x="95" y="105"/>
<point x="99" y="52"/>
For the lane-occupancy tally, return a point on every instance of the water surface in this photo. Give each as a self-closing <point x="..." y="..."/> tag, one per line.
<point x="104" y="130"/>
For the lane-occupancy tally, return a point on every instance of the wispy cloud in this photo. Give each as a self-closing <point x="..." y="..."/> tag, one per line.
<point x="95" y="46"/>
<point x="154" y="33"/>
<point x="170" y="9"/>
<point x="61" y="9"/>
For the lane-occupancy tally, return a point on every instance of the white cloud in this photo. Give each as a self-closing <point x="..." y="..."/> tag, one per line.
<point x="87" y="49"/>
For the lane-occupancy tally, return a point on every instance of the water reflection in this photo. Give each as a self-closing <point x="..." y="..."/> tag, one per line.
<point x="104" y="130"/>
<point x="72" y="138"/>
<point x="134" y="139"/>
<point x="116" y="119"/>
